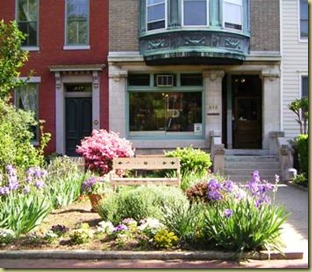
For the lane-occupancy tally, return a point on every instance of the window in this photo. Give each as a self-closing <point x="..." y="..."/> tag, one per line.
<point x="26" y="98"/>
<point x="195" y="12"/>
<point x="304" y="19"/>
<point x="172" y="111"/>
<point x="27" y="19"/>
<point x="156" y="14"/>
<point x="232" y="14"/>
<point x="304" y="86"/>
<point x="77" y="22"/>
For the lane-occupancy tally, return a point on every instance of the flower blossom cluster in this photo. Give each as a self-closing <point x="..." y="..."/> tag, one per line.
<point x="101" y="147"/>
<point x="35" y="177"/>
<point x="259" y="191"/>
<point x="260" y="188"/>
<point x="218" y="190"/>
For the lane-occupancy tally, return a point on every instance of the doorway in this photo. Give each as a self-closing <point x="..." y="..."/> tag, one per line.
<point x="247" y="112"/>
<point x="78" y="111"/>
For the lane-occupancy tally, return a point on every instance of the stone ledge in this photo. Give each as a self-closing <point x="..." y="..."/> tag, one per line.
<point x="145" y="255"/>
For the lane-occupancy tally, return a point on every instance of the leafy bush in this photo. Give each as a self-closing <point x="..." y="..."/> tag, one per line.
<point x="302" y="141"/>
<point x="16" y="146"/>
<point x="140" y="202"/>
<point x="101" y="147"/>
<point x="195" y="164"/>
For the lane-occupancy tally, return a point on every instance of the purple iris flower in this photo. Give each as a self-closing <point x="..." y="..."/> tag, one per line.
<point x="4" y="190"/>
<point x="228" y="213"/>
<point x="214" y="184"/>
<point x="13" y="185"/>
<point x="26" y="189"/>
<point x="229" y="186"/>
<point x="39" y="183"/>
<point x="214" y="195"/>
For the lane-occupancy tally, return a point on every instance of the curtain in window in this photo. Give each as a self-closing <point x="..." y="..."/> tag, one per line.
<point x="28" y="98"/>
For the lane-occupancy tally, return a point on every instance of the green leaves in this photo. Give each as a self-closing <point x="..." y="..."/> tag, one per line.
<point x="249" y="227"/>
<point x="23" y="213"/>
<point x="12" y="57"/>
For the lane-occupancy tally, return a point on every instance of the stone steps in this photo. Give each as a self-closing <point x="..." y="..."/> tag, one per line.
<point x="239" y="167"/>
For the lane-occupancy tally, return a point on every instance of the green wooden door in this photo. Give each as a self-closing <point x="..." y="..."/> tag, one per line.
<point x="78" y="122"/>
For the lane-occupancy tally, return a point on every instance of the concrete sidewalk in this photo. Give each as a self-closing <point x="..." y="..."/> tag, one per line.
<point x="296" y="229"/>
<point x="295" y="234"/>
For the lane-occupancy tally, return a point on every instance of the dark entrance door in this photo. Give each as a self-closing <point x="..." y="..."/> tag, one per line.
<point x="78" y="121"/>
<point x="247" y="121"/>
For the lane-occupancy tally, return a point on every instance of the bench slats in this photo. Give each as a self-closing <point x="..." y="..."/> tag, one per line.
<point x="143" y="163"/>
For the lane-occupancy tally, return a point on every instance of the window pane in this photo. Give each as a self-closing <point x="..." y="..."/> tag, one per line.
<point x="191" y="80"/>
<point x="152" y="2"/>
<point x="27" y="17"/>
<point x="304" y="19"/>
<point x="156" y="13"/>
<point x="27" y="99"/>
<point x="139" y="80"/>
<point x="195" y="12"/>
<point x="304" y="86"/>
<point x="165" y="111"/>
<point x="77" y="22"/>
<point x="232" y="13"/>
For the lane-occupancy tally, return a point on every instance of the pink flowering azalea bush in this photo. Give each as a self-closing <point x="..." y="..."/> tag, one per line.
<point x="101" y="147"/>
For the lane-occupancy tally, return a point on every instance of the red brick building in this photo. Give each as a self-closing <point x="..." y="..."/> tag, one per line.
<point x="68" y="47"/>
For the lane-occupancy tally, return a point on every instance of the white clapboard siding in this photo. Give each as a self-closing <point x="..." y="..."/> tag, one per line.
<point x="294" y="63"/>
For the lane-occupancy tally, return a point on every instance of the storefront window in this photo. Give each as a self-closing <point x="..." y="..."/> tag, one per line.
<point x="165" y="112"/>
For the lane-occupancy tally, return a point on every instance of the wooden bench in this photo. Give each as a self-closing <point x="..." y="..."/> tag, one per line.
<point x="148" y="164"/>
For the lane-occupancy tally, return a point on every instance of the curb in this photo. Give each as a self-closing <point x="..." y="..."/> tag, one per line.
<point x="145" y="255"/>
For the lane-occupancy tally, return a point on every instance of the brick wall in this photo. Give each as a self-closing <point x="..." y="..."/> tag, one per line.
<point x="264" y="25"/>
<point x="123" y="25"/>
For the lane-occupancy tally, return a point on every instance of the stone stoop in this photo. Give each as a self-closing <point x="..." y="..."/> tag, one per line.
<point x="239" y="165"/>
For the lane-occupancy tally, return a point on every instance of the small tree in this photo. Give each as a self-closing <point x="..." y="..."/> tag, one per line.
<point x="16" y="146"/>
<point x="300" y="107"/>
<point x="12" y="58"/>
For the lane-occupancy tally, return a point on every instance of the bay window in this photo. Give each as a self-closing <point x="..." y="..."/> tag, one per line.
<point x="195" y="12"/>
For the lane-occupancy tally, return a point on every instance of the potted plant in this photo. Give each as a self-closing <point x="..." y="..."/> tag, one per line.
<point x="95" y="188"/>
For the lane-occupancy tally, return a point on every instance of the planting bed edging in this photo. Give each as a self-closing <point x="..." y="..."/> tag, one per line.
<point x="144" y="255"/>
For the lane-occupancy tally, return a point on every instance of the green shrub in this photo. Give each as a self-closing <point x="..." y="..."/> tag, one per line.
<point x="140" y="202"/>
<point x="16" y="146"/>
<point x="302" y="143"/>
<point x="195" y="164"/>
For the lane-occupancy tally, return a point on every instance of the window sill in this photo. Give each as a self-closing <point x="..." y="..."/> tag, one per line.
<point x="31" y="48"/>
<point x="76" y="47"/>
